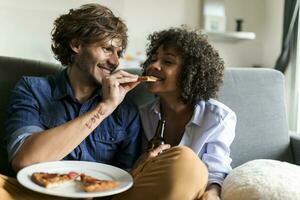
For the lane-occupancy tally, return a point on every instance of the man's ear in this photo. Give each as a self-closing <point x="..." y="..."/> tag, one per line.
<point x="75" y="45"/>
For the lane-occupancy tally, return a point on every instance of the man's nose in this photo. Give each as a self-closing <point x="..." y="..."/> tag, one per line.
<point x="114" y="59"/>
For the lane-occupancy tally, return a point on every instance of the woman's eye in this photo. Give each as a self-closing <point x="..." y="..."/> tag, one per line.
<point x="168" y="62"/>
<point x="152" y="60"/>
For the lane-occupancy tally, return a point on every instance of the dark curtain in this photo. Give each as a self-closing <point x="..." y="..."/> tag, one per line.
<point x="290" y="24"/>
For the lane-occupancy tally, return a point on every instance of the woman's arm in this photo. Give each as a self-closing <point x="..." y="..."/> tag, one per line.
<point x="213" y="192"/>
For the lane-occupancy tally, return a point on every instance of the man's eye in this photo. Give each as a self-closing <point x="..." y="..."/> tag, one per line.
<point x="120" y="54"/>
<point x="106" y="49"/>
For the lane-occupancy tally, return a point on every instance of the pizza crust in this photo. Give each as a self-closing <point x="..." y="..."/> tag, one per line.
<point x="91" y="184"/>
<point x="100" y="186"/>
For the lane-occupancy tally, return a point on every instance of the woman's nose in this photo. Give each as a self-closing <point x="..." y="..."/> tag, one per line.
<point x="155" y="65"/>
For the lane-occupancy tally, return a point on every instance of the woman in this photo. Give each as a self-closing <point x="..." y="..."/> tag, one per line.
<point x="190" y="73"/>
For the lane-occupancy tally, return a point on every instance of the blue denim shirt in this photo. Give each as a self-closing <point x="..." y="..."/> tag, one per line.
<point x="40" y="103"/>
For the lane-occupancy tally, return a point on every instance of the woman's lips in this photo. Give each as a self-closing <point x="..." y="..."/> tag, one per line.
<point x="160" y="78"/>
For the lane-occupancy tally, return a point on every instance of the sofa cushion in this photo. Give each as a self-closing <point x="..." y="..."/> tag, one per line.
<point x="256" y="95"/>
<point x="263" y="180"/>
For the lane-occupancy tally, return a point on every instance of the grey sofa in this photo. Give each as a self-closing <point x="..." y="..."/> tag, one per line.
<point x="256" y="95"/>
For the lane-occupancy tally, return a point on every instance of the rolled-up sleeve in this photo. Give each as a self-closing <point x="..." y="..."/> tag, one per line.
<point x="217" y="156"/>
<point x="22" y="117"/>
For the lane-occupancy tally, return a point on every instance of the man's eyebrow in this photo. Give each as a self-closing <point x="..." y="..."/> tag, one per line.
<point x="116" y="47"/>
<point x="108" y="46"/>
<point x="112" y="47"/>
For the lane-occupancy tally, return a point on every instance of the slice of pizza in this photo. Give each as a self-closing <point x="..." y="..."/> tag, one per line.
<point x="148" y="78"/>
<point x="91" y="184"/>
<point x="49" y="180"/>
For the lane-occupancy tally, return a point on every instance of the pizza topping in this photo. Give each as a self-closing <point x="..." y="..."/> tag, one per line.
<point x="73" y="175"/>
<point x="148" y="78"/>
<point x="87" y="179"/>
<point x="48" y="175"/>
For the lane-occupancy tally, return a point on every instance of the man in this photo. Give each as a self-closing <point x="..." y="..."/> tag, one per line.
<point x="80" y="113"/>
<point x="73" y="115"/>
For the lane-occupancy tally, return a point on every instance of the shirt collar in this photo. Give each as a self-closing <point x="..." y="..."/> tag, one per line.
<point x="197" y="114"/>
<point x="155" y="107"/>
<point x="63" y="88"/>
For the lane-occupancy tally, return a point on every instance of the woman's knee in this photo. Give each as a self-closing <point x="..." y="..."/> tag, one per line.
<point x="186" y="163"/>
<point x="189" y="169"/>
<point x="185" y="154"/>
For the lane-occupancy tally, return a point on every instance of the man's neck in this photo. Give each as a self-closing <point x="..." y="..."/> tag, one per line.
<point x="82" y="89"/>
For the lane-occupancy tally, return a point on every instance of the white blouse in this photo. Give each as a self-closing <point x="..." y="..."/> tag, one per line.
<point x="209" y="134"/>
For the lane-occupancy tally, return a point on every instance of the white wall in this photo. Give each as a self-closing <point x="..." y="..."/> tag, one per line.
<point x="144" y="16"/>
<point x="272" y="35"/>
<point x="26" y="25"/>
<point x="264" y="17"/>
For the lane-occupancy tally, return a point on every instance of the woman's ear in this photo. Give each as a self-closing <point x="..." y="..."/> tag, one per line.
<point x="75" y="45"/>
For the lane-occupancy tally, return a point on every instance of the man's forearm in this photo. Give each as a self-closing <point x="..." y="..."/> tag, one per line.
<point x="56" y="143"/>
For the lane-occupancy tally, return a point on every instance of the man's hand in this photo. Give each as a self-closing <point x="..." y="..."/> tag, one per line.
<point x="212" y="193"/>
<point x="116" y="85"/>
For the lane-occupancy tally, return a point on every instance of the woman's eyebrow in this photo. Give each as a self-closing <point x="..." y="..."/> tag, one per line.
<point x="170" y="54"/>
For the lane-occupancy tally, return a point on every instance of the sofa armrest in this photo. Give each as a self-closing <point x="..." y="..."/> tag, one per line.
<point x="295" y="145"/>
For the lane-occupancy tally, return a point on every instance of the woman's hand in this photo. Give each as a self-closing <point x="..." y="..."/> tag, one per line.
<point x="150" y="154"/>
<point x="209" y="195"/>
<point x="212" y="193"/>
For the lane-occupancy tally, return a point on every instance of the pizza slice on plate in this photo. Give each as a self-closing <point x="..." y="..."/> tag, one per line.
<point x="49" y="180"/>
<point x="91" y="184"/>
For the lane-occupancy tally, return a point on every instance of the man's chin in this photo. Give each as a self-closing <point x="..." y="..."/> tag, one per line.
<point x="97" y="82"/>
<point x="100" y="75"/>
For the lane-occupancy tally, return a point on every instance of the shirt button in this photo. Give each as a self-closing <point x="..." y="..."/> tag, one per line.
<point x="112" y="139"/>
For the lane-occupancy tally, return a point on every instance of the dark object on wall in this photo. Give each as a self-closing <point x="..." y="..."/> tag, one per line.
<point x="257" y="66"/>
<point x="290" y="26"/>
<point x="239" y="23"/>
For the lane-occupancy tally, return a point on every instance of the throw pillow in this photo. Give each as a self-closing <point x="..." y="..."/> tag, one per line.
<point x="263" y="180"/>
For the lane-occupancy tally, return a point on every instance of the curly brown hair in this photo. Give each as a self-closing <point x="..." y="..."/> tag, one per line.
<point x="90" y="23"/>
<point x="202" y="68"/>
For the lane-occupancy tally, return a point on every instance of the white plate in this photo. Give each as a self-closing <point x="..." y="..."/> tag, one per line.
<point x="73" y="190"/>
